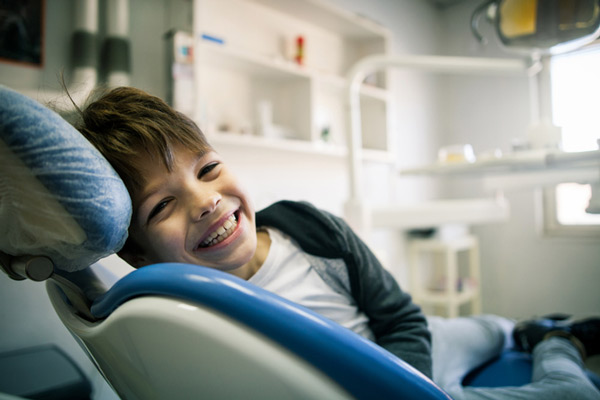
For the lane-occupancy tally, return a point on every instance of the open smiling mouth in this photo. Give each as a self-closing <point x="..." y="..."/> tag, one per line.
<point x="221" y="233"/>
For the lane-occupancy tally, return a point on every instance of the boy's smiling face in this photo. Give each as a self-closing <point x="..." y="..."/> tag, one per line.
<point x="197" y="213"/>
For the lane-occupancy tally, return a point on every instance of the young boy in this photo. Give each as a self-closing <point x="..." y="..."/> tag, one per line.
<point x="189" y="208"/>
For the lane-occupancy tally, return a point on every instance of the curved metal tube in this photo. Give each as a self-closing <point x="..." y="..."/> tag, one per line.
<point x="475" y="19"/>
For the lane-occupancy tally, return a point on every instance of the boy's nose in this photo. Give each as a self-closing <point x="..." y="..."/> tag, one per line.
<point x="205" y="205"/>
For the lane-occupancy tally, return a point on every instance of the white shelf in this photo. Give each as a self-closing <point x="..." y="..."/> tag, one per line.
<point x="326" y="16"/>
<point x="458" y="243"/>
<point x="441" y="298"/>
<point x="439" y="212"/>
<point x="341" y="84"/>
<point x="225" y="56"/>
<point x="523" y="169"/>
<point x="514" y="162"/>
<point x="292" y="146"/>
<point x="277" y="68"/>
<point x="446" y="276"/>
<point x="251" y="68"/>
<point x="274" y="144"/>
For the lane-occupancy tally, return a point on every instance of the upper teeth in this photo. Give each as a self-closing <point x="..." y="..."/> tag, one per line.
<point x="220" y="233"/>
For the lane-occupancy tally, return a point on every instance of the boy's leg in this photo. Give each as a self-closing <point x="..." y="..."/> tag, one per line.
<point x="557" y="375"/>
<point x="462" y="344"/>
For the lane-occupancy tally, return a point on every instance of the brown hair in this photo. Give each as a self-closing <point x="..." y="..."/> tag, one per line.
<point x="127" y="125"/>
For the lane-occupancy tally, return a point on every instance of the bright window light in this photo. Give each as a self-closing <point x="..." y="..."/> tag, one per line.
<point x="575" y="88"/>
<point x="572" y="200"/>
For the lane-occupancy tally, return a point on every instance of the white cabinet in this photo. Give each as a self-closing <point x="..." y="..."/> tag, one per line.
<point x="250" y="88"/>
<point x="446" y="287"/>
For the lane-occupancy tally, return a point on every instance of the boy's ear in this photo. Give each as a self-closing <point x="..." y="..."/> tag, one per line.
<point x="134" y="259"/>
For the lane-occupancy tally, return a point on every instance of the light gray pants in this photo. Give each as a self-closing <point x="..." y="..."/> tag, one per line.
<point x="461" y="344"/>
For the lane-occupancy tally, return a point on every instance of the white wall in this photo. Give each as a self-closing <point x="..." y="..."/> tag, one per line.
<point x="57" y="54"/>
<point x="524" y="273"/>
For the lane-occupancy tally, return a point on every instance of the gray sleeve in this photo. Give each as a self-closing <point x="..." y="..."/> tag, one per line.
<point x="398" y="324"/>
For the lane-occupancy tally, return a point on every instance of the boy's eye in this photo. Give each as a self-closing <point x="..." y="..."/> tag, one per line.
<point x="207" y="169"/>
<point x="157" y="209"/>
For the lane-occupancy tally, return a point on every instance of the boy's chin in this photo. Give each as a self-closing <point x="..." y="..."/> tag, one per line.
<point x="242" y="271"/>
<point x="228" y="265"/>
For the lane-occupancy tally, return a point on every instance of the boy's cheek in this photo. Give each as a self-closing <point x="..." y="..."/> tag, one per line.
<point x="163" y="245"/>
<point x="240" y="191"/>
<point x="148" y="244"/>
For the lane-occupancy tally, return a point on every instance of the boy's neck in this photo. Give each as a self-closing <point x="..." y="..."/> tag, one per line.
<point x="263" y="244"/>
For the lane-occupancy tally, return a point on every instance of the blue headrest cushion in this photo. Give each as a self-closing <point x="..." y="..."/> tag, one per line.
<point x="59" y="197"/>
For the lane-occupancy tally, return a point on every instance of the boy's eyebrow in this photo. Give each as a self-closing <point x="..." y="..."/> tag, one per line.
<point x="146" y="194"/>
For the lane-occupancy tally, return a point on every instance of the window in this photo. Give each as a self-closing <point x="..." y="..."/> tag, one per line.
<point x="575" y="86"/>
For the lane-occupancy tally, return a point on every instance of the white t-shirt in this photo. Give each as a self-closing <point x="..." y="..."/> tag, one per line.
<point x="288" y="273"/>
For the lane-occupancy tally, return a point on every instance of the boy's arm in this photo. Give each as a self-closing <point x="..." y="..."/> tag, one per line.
<point x="398" y="324"/>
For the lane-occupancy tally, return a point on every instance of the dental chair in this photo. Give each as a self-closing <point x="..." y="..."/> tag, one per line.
<point x="166" y="331"/>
